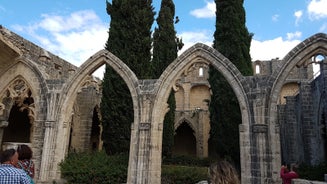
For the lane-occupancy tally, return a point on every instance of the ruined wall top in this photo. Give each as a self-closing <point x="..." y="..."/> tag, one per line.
<point x="267" y="67"/>
<point x="51" y="65"/>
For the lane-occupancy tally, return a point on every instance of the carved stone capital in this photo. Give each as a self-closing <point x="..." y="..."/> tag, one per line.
<point x="259" y="128"/>
<point x="144" y="126"/>
<point x="49" y="124"/>
<point x="3" y="124"/>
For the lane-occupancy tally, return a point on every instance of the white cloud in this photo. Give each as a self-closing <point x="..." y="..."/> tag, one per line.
<point x="191" y="38"/>
<point x="209" y="11"/>
<point x="74" y="38"/>
<point x="270" y="49"/>
<point x="76" y="20"/>
<point x="298" y="15"/>
<point x="260" y="50"/>
<point x="295" y="35"/>
<point x="323" y="28"/>
<point x="317" y="9"/>
<point x="275" y="18"/>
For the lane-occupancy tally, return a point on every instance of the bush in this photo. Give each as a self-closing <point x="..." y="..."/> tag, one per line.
<point x="99" y="168"/>
<point x="94" y="168"/>
<point x="187" y="161"/>
<point x="172" y="174"/>
<point x="315" y="173"/>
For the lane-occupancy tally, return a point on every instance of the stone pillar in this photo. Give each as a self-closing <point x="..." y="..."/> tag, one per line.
<point x="260" y="168"/>
<point x="203" y="123"/>
<point x="143" y="153"/>
<point x="187" y="88"/>
<point x="290" y="133"/>
<point x="140" y="172"/>
<point x="47" y="151"/>
<point x="3" y="125"/>
<point x="308" y="128"/>
<point x="245" y="156"/>
<point x="48" y="167"/>
<point x="261" y="160"/>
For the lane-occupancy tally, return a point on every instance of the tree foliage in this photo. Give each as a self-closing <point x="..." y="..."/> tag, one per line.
<point x="232" y="39"/>
<point x="165" y="48"/>
<point x="130" y="40"/>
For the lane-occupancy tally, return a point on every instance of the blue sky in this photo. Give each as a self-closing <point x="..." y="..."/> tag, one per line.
<point x="76" y="29"/>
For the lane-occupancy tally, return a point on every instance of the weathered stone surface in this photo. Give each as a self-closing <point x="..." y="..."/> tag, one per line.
<point x="280" y="105"/>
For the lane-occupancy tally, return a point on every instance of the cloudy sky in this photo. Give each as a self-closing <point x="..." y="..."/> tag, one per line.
<point x="76" y="29"/>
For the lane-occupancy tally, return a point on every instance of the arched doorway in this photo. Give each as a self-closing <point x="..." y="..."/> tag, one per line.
<point x="18" y="126"/>
<point x="184" y="141"/>
<point x="18" y="97"/>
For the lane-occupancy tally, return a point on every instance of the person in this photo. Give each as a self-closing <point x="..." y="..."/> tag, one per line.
<point x="222" y="172"/>
<point x="24" y="159"/>
<point x="288" y="175"/>
<point x="9" y="174"/>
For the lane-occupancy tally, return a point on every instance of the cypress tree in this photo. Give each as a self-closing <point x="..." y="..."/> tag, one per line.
<point x="165" y="48"/>
<point x="233" y="40"/>
<point x="130" y="40"/>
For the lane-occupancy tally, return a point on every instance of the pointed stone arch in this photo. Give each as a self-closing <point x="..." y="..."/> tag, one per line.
<point x="68" y="95"/>
<point x="298" y="56"/>
<point x="185" y="140"/>
<point x="19" y="103"/>
<point x="199" y="53"/>
<point x="189" y="122"/>
<point x="37" y="87"/>
<point x="25" y="69"/>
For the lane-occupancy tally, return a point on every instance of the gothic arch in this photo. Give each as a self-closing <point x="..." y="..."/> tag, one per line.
<point x="298" y="56"/>
<point x="321" y="116"/>
<point x="70" y="90"/>
<point x="38" y="87"/>
<point x="36" y="82"/>
<point x="188" y="122"/>
<point x="199" y="53"/>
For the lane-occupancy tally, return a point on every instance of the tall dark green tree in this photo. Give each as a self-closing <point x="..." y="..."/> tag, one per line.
<point x="165" y="48"/>
<point x="233" y="40"/>
<point x="130" y="40"/>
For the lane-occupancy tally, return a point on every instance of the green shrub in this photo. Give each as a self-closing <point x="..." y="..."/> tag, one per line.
<point x="315" y="173"/>
<point x="173" y="174"/>
<point x="187" y="161"/>
<point x="99" y="168"/>
<point x="94" y="168"/>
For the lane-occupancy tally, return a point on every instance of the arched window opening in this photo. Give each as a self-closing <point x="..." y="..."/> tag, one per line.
<point x="184" y="141"/>
<point x="200" y="72"/>
<point x="95" y="131"/>
<point x="257" y="69"/>
<point x="316" y="61"/>
<point x="19" y="125"/>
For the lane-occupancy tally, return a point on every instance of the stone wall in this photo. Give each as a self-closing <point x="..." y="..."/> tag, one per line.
<point x="56" y="85"/>
<point x="301" y="181"/>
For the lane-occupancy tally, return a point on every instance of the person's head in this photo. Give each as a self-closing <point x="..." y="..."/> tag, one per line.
<point x="294" y="167"/>
<point x="24" y="152"/>
<point x="222" y="172"/>
<point x="9" y="156"/>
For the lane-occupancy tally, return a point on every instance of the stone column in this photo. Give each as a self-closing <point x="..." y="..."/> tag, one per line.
<point x="187" y="88"/>
<point x="308" y="128"/>
<point x="3" y="125"/>
<point x="48" y="168"/>
<point x="262" y="135"/>
<point x="47" y="151"/>
<point x="3" y="122"/>
<point x="141" y="149"/>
